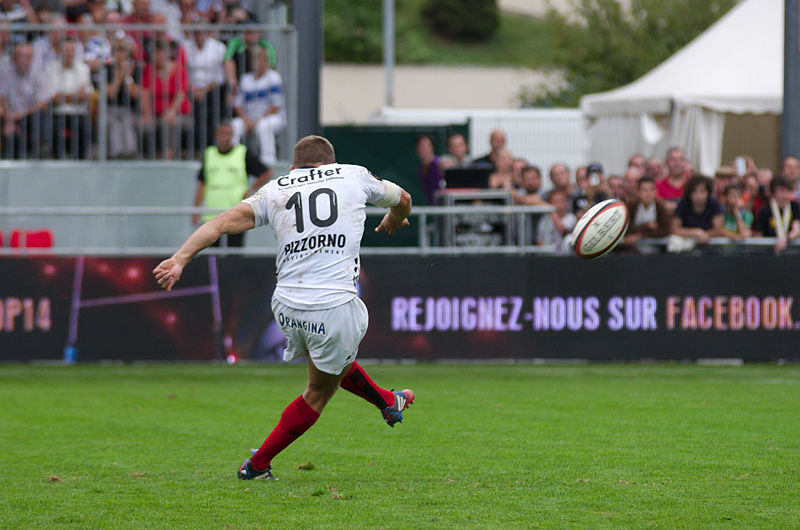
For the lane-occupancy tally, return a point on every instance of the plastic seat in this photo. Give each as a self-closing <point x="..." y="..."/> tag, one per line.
<point x="15" y="238"/>
<point x="42" y="238"/>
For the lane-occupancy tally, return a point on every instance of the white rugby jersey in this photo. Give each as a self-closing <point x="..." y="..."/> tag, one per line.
<point x="318" y="217"/>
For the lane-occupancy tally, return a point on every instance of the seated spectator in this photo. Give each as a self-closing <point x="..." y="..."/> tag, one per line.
<point x="171" y="11"/>
<point x="749" y="190"/>
<point x="555" y="229"/>
<point x="46" y="49"/>
<point x="230" y="12"/>
<point x="649" y="217"/>
<point x="165" y="101"/>
<point x="497" y="139"/>
<point x="637" y="161"/>
<point x="239" y="57"/>
<point x="6" y="50"/>
<point x="123" y="7"/>
<point x="670" y="188"/>
<point x="654" y="167"/>
<point x="430" y="170"/>
<point x="527" y="192"/>
<point x="75" y="9"/>
<point x="70" y="86"/>
<point x="222" y="11"/>
<point x="124" y="93"/>
<point x="17" y="11"/>
<point x="698" y="215"/>
<point x="204" y="56"/>
<point x="790" y="170"/>
<point x="630" y="183"/>
<point x="616" y="186"/>
<point x="46" y="12"/>
<point x="189" y="14"/>
<point x="517" y="165"/>
<point x="142" y="14"/>
<point x="260" y="107"/>
<point x="780" y="217"/>
<point x="501" y="177"/>
<point x="738" y="219"/>
<point x="593" y="189"/>
<point x="723" y="177"/>
<point x="560" y="180"/>
<point x="98" y="52"/>
<point x="457" y="152"/>
<point x="23" y="99"/>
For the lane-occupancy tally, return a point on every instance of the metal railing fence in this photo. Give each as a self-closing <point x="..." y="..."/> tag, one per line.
<point x="133" y="91"/>
<point x="421" y="220"/>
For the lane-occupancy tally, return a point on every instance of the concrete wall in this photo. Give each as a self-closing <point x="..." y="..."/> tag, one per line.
<point x="117" y="184"/>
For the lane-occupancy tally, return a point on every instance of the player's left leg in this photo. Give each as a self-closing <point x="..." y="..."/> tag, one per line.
<point x="296" y="419"/>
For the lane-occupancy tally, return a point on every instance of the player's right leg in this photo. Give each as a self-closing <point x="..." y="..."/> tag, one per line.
<point x="296" y="419"/>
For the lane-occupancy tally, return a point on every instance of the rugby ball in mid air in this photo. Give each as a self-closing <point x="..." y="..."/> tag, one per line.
<point x="600" y="229"/>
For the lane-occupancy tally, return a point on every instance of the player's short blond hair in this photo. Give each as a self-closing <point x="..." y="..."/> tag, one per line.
<point x="313" y="150"/>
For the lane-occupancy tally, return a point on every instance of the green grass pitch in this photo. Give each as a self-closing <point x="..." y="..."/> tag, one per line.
<point x="492" y="446"/>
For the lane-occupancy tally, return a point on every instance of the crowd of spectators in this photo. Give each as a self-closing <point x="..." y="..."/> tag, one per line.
<point x="166" y="86"/>
<point x="672" y="207"/>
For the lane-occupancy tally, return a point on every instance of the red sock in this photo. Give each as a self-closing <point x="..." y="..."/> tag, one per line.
<point x="296" y="419"/>
<point x="359" y="383"/>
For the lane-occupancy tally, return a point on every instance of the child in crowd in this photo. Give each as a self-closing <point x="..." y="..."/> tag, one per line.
<point x="698" y="216"/>
<point x="780" y="217"/>
<point x="738" y="219"/>
<point x="554" y="229"/>
<point x="649" y="216"/>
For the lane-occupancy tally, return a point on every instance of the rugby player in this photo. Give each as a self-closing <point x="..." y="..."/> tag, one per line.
<point x="317" y="212"/>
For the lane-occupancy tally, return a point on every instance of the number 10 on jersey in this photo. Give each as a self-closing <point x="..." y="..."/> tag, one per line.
<point x="296" y="202"/>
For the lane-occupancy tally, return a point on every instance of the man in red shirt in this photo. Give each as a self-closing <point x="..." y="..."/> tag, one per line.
<point x="670" y="188"/>
<point x="142" y="14"/>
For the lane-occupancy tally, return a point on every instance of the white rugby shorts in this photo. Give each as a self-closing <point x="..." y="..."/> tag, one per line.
<point x="329" y="336"/>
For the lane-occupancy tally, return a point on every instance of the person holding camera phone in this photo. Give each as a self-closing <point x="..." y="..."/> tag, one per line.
<point x="593" y="188"/>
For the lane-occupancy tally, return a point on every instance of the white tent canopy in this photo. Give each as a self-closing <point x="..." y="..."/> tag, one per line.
<point x="735" y="66"/>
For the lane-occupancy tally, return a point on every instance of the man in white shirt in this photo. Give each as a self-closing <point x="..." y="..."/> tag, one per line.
<point x="204" y="58"/>
<point x="259" y="106"/>
<point x="317" y="212"/>
<point x="46" y="48"/>
<point x="23" y="98"/>
<point x="70" y="86"/>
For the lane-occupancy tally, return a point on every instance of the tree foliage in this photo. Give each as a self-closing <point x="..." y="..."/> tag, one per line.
<point x="604" y="45"/>
<point x="463" y="20"/>
<point x="350" y="31"/>
<point x="354" y="32"/>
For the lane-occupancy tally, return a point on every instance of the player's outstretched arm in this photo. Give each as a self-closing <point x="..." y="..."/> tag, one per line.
<point x="233" y="221"/>
<point x="396" y="217"/>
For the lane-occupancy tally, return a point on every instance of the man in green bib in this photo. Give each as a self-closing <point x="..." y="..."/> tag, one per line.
<point x="223" y="178"/>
